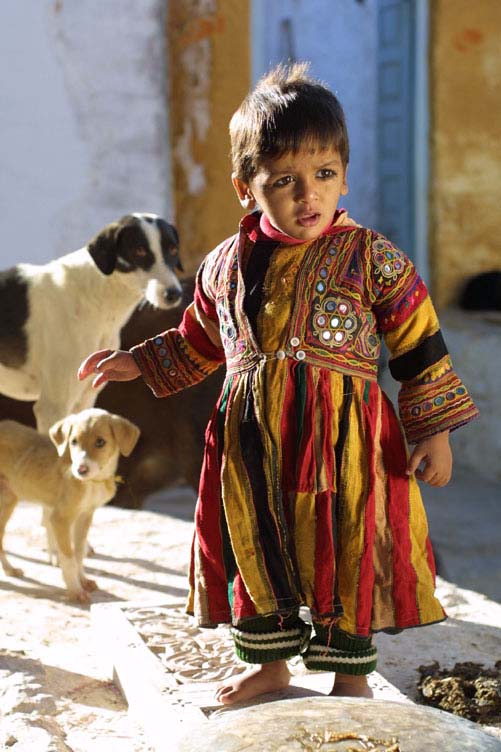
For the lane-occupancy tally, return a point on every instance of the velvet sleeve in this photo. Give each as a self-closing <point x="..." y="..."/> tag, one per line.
<point x="432" y="397"/>
<point x="178" y="358"/>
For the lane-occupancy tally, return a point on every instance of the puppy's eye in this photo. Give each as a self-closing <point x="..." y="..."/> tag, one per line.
<point x="100" y="443"/>
<point x="74" y="442"/>
<point x="141" y="252"/>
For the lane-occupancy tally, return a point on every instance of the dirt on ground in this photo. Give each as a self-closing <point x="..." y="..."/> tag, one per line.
<point x="469" y="690"/>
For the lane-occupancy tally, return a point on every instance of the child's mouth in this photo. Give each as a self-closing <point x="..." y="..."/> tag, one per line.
<point x="308" y="220"/>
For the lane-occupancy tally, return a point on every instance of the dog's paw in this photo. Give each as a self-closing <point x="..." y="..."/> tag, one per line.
<point x="11" y="571"/>
<point x="79" y="596"/>
<point x="87" y="584"/>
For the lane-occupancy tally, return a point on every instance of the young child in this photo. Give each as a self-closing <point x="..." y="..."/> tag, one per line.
<point x="307" y="495"/>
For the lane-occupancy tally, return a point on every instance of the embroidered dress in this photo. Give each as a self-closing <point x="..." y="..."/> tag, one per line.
<point x="303" y="495"/>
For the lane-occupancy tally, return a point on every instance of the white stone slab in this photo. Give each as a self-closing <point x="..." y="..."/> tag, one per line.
<point x="319" y="723"/>
<point x="158" y="701"/>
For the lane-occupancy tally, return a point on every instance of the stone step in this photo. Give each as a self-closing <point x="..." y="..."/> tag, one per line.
<point x="161" y="696"/>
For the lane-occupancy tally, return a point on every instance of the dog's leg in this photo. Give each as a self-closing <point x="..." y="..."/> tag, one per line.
<point x="80" y="532"/>
<point x="86" y="397"/>
<point x="8" y="501"/>
<point x="61" y="528"/>
<point x="46" y="415"/>
<point x="51" y="541"/>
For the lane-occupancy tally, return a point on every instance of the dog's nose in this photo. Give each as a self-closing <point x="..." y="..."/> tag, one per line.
<point x="172" y="295"/>
<point x="83" y="469"/>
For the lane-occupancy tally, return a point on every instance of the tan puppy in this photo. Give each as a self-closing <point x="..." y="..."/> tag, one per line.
<point x="71" y="474"/>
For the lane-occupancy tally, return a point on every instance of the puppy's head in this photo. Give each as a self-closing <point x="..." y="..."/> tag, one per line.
<point x="94" y="439"/>
<point x="144" y="249"/>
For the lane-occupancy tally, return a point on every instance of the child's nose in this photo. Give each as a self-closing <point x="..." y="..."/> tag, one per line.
<point x="306" y="190"/>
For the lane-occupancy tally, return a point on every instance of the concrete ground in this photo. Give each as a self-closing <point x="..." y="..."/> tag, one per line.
<point x="465" y="527"/>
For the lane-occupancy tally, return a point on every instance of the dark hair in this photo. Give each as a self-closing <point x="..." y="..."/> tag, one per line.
<point x="286" y="109"/>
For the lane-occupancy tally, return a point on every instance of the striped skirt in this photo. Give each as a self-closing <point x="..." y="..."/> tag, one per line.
<point x="304" y="500"/>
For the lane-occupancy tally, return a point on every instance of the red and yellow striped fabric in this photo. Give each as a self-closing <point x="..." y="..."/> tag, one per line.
<point x="304" y="499"/>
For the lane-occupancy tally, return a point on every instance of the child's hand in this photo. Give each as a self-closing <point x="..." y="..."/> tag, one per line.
<point x="110" y="365"/>
<point x="436" y="456"/>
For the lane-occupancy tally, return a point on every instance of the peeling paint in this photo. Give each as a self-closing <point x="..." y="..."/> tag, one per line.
<point x="209" y="47"/>
<point x="466" y="107"/>
<point x="194" y="172"/>
<point x="196" y="61"/>
<point x="194" y="57"/>
<point x="468" y="39"/>
<point x="201" y="28"/>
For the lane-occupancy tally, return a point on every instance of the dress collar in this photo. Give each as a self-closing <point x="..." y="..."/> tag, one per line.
<point x="259" y="228"/>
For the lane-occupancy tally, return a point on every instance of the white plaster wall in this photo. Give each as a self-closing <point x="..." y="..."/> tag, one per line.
<point x="339" y="37"/>
<point x="83" y="124"/>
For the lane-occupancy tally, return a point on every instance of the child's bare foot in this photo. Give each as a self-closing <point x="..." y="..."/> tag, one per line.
<point x="267" y="678"/>
<point x="346" y="685"/>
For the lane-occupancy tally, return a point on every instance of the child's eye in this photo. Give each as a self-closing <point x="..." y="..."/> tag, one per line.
<point x="283" y="181"/>
<point x="326" y="173"/>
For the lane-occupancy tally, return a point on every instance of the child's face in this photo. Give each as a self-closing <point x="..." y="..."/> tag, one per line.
<point x="299" y="192"/>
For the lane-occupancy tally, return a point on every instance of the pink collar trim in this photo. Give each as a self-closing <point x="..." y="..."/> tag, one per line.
<point x="259" y="227"/>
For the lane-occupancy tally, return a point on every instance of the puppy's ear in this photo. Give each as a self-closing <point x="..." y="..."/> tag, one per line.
<point x="60" y="434"/>
<point x="125" y="433"/>
<point x="103" y="248"/>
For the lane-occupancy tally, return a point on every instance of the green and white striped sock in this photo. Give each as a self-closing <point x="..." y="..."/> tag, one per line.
<point x="264" y="647"/>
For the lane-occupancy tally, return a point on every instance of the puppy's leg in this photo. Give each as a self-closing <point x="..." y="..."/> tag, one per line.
<point x="80" y="532"/>
<point x="51" y="541"/>
<point x="61" y="528"/>
<point x="8" y="501"/>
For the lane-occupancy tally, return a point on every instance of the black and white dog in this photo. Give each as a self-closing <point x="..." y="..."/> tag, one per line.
<point x="54" y="315"/>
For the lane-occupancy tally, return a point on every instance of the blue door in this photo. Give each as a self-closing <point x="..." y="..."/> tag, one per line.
<point x="396" y="117"/>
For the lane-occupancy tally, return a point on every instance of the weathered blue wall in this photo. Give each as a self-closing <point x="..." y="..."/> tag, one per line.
<point x="339" y="37"/>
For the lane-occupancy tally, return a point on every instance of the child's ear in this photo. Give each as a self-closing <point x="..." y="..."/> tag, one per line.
<point x="243" y="192"/>
<point x="344" y="189"/>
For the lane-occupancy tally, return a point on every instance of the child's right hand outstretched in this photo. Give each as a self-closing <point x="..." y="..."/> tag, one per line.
<point x="110" y="365"/>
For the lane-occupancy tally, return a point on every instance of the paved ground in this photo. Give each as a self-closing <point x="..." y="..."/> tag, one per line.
<point x="464" y="519"/>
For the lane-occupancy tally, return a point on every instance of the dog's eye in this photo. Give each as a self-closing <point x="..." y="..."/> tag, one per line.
<point x="74" y="442"/>
<point x="100" y="443"/>
<point x="141" y="252"/>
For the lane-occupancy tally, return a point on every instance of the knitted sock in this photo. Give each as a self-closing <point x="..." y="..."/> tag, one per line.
<point x="270" y="638"/>
<point x="337" y="651"/>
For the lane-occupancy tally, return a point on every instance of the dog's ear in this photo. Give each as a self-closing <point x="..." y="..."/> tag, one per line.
<point x="125" y="433"/>
<point x="60" y="434"/>
<point x="171" y="235"/>
<point x="175" y="234"/>
<point x="103" y="248"/>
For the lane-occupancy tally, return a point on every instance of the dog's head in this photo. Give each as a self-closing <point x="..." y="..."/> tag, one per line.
<point x="94" y="439"/>
<point x="145" y="249"/>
